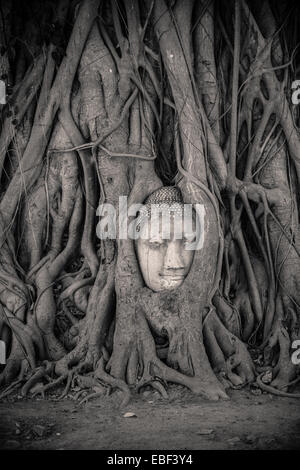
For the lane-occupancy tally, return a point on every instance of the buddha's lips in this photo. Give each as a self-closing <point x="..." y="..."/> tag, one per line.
<point x="173" y="276"/>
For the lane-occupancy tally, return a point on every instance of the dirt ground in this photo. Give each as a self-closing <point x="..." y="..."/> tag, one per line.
<point x="247" y="421"/>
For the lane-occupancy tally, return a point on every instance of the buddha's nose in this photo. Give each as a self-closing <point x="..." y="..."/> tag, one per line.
<point x="173" y="257"/>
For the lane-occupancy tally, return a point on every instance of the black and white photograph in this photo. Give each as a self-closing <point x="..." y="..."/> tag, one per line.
<point x="149" y="229"/>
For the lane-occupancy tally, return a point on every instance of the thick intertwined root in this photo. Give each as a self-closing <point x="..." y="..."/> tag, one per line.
<point x="136" y="358"/>
<point x="228" y="354"/>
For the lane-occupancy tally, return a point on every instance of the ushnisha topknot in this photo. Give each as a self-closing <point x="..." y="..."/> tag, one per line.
<point x="165" y="195"/>
<point x="167" y="198"/>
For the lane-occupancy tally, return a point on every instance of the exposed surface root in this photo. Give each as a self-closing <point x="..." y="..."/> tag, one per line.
<point x="113" y="382"/>
<point x="273" y="390"/>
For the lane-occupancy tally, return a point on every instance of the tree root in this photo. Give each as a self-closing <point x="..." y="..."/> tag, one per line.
<point x="155" y="383"/>
<point x="227" y="352"/>
<point x="50" y="385"/>
<point x="205" y="386"/>
<point x="103" y="376"/>
<point x="92" y="396"/>
<point x="11" y="388"/>
<point x="160" y="388"/>
<point x="36" y="377"/>
<point x="273" y="390"/>
<point x="68" y="386"/>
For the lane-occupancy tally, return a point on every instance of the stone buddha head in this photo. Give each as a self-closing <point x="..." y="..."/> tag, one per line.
<point x="166" y="237"/>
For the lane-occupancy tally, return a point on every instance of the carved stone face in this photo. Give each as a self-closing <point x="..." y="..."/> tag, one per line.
<point x="163" y="250"/>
